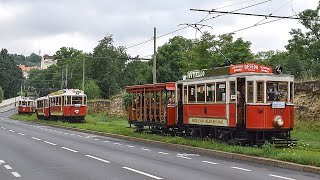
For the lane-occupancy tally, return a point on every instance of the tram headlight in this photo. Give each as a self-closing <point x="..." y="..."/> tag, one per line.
<point x="278" y="121"/>
<point x="76" y="111"/>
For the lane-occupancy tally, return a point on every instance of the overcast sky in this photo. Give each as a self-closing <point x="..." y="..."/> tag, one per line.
<point x="31" y="25"/>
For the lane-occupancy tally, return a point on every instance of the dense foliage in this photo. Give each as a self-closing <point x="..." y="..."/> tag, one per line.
<point x="10" y="75"/>
<point x="108" y="68"/>
<point x="1" y="94"/>
<point x="32" y="60"/>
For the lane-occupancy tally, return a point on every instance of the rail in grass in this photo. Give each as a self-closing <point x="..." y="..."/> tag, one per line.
<point x="243" y="103"/>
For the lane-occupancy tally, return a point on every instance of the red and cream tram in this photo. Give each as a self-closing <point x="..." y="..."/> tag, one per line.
<point x="26" y="106"/>
<point x="243" y="103"/>
<point x="67" y="104"/>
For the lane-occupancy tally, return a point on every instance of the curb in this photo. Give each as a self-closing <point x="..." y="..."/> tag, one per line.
<point x="208" y="152"/>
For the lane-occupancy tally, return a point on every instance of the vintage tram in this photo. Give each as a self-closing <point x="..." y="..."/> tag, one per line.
<point x="26" y="106"/>
<point x="242" y="103"/>
<point x="67" y="104"/>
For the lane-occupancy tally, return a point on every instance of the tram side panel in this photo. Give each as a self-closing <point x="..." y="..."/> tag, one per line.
<point x="262" y="117"/>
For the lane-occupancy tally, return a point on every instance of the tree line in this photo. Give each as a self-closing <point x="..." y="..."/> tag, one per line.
<point x="108" y="69"/>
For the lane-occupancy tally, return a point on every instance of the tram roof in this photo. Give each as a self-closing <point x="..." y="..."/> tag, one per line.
<point x="67" y="92"/>
<point x="154" y="87"/>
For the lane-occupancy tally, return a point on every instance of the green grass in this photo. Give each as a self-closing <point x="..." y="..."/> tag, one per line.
<point x="307" y="152"/>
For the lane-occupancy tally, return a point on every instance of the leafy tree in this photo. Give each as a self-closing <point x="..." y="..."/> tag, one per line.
<point x="10" y="75"/>
<point x="1" y="94"/>
<point x="91" y="89"/>
<point x="107" y="66"/>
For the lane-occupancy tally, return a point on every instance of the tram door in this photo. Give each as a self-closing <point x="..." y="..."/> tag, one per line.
<point x="241" y="102"/>
<point x="180" y="104"/>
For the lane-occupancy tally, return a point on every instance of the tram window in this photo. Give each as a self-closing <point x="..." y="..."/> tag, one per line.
<point x="233" y="95"/>
<point x="277" y="91"/>
<point x="291" y="92"/>
<point x="185" y="90"/>
<point x="210" y="92"/>
<point x="200" y="93"/>
<point x="260" y="91"/>
<point x="250" y="91"/>
<point x="221" y="92"/>
<point x="68" y="100"/>
<point x="76" y="100"/>
<point x="191" y="94"/>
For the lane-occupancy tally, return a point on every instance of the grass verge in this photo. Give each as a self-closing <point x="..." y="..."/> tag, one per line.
<point x="307" y="152"/>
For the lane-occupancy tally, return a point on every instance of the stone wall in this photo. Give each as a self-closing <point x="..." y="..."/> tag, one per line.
<point x="112" y="107"/>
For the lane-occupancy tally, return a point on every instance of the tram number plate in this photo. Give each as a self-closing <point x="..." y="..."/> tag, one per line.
<point x="278" y="105"/>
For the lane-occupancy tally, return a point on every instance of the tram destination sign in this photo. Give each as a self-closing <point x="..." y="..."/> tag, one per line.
<point x="250" y="67"/>
<point x="208" y="121"/>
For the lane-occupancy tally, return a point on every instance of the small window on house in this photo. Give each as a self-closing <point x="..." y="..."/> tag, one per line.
<point x="210" y="92"/>
<point x="250" y="91"/>
<point x="200" y="93"/>
<point x="221" y="92"/>
<point x="260" y="92"/>
<point x="191" y="94"/>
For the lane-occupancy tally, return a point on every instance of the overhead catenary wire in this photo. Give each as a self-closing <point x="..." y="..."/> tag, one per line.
<point x="179" y="29"/>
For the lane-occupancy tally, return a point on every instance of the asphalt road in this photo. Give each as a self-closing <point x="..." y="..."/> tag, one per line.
<point x="31" y="151"/>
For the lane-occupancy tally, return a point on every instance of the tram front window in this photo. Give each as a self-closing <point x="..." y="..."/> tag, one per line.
<point x="277" y="91"/>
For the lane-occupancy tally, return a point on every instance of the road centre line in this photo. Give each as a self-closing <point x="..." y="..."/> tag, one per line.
<point x="145" y="149"/>
<point x="209" y="162"/>
<point x="1" y="162"/>
<point x="68" y="149"/>
<point x="143" y="173"/>
<point x="117" y="143"/>
<point x="11" y="130"/>
<point x="3" y="128"/>
<point x="96" y="139"/>
<point x="184" y="157"/>
<point x="99" y="159"/>
<point x="106" y="141"/>
<point x="281" y="177"/>
<point x="50" y="143"/>
<point x="36" y="138"/>
<point x="77" y="135"/>
<point x="242" y="169"/>
<point x="130" y="146"/>
<point x="163" y="153"/>
<point x="16" y="174"/>
<point x="21" y="134"/>
<point x="7" y="167"/>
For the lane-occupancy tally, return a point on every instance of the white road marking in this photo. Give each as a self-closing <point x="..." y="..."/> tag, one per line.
<point x="69" y="149"/>
<point x="99" y="159"/>
<point x="143" y="173"/>
<point x="1" y="161"/>
<point x="7" y="167"/>
<point x="242" y="169"/>
<point x="72" y="134"/>
<point x="117" y="143"/>
<point x="96" y="139"/>
<point x="209" y="162"/>
<point x="36" y="138"/>
<point x="66" y="133"/>
<point x="163" y="153"/>
<point x="130" y="146"/>
<point x="11" y="130"/>
<point x="16" y="174"/>
<point x="79" y="136"/>
<point x="281" y="177"/>
<point x="184" y="157"/>
<point x="50" y="143"/>
<point x="106" y="141"/>
<point x="3" y="128"/>
<point x="21" y="134"/>
<point x="145" y="149"/>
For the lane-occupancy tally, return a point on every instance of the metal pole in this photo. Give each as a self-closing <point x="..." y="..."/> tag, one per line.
<point x="154" y="57"/>
<point x="83" y="74"/>
<point x="67" y="77"/>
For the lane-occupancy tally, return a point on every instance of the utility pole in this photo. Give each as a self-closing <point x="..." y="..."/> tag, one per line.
<point x="67" y="77"/>
<point x="154" y="56"/>
<point x="83" y="74"/>
<point x="62" y="82"/>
